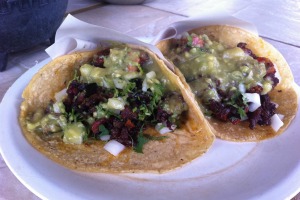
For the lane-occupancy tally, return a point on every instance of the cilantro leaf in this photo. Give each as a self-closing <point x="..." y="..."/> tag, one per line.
<point x="245" y="100"/>
<point x="144" y="111"/>
<point x="234" y="99"/>
<point x="141" y="141"/>
<point x="241" y="112"/>
<point x="104" y="131"/>
<point x="158" y="91"/>
<point x="130" y="86"/>
<point x="73" y="116"/>
<point x="86" y="136"/>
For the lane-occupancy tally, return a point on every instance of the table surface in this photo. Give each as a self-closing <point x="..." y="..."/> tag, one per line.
<point x="278" y="23"/>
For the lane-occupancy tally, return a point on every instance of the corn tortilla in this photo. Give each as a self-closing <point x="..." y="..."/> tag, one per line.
<point x="284" y="93"/>
<point x="182" y="146"/>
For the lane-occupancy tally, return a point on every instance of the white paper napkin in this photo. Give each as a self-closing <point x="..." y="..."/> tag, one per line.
<point x="215" y="17"/>
<point x="75" y="35"/>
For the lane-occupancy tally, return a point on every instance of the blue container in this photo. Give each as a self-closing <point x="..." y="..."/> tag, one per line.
<point x="27" y="23"/>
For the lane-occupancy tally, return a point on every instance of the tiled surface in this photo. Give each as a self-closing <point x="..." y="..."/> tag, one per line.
<point x="278" y="21"/>
<point x="269" y="19"/>
<point x="126" y="18"/>
<point x="12" y="189"/>
<point x="18" y="63"/>
<point x="267" y="15"/>
<point x="192" y="7"/>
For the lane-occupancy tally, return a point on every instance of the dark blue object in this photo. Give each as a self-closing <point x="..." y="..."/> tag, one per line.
<point x="26" y="23"/>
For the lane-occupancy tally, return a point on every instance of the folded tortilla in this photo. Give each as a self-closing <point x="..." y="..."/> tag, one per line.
<point x="180" y="147"/>
<point x="284" y="93"/>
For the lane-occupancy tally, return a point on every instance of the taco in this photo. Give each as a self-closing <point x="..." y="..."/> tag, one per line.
<point x="117" y="109"/>
<point x="242" y="84"/>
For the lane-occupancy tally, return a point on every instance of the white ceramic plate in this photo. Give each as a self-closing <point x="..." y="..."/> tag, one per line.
<point x="264" y="170"/>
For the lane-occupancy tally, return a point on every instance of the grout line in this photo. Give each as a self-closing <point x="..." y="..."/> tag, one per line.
<point x="178" y="14"/>
<point x="265" y="37"/>
<point x="165" y="10"/>
<point x="286" y="43"/>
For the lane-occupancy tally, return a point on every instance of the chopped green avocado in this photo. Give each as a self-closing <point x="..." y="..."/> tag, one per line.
<point x="74" y="133"/>
<point x="47" y="124"/>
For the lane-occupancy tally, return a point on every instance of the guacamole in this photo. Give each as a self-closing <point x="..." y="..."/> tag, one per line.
<point x="228" y="82"/>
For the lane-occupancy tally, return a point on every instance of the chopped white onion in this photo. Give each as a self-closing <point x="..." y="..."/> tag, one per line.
<point x="151" y="75"/>
<point x="259" y="84"/>
<point x="114" y="147"/>
<point x="276" y="123"/>
<point x="119" y="83"/>
<point x="254" y="98"/>
<point x="277" y="75"/>
<point x="165" y="130"/>
<point x="242" y="88"/>
<point x="173" y="127"/>
<point x="276" y="104"/>
<point x="159" y="126"/>
<point x="162" y="129"/>
<point x="280" y="116"/>
<point x="105" y="137"/>
<point x="56" y="108"/>
<point x="60" y="95"/>
<point x="253" y="106"/>
<point x="145" y="85"/>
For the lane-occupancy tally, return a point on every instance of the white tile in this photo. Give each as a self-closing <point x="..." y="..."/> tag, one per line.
<point x="11" y="188"/>
<point x="128" y="18"/>
<point x="195" y="7"/>
<point x="174" y="6"/>
<point x="279" y="20"/>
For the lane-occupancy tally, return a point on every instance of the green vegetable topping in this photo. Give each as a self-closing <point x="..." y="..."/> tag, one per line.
<point x="117" y="94"/>
<point x="103" y="131"/>
<point x="74" y="133"/>
<point x="141" y="141"/>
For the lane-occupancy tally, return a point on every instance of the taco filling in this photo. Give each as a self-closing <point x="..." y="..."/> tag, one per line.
<point x="114" y="98"/>
<point x="117" y="109"/>
<point x="231" y="84"/>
